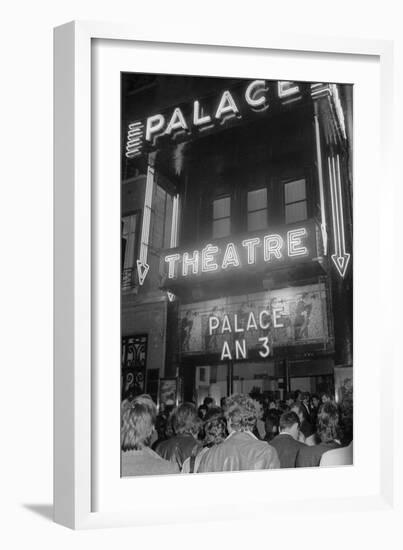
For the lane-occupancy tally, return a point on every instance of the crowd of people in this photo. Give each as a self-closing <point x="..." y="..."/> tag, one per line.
<point x="241" y="434"/>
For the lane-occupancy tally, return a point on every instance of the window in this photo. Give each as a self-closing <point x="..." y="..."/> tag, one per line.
<point x="129" y="246"/>
<point x="257" y="209"/>
<point x="162" y="219"/>
<point x="221" y="217"/>
<point x="295" y="201"/>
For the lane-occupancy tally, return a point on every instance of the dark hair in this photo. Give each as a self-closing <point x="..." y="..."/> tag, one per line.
<point x="297" y="393"/>
<point x="328" y="422"/>
<point x="208" y="401"/>
<point x="215" y="427"/>
<point x="288" y="419"/>
<point x="185" y="419"/>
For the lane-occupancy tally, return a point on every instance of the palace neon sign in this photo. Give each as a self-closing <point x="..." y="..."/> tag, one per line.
<point x="298" y="242"/>
<point x="202" y="116"/>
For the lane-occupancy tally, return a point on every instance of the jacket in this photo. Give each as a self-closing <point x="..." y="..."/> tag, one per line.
<point x="178" y="448"/>
<point x="240" y="451"/>
<point x="287" y="449"/>
<point x="311" y="456"/>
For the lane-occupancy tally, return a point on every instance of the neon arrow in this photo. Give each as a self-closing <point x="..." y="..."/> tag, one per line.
<point x="142" y="270"/>
<point x="142" y="265"/>
<point x="340" y="258"/>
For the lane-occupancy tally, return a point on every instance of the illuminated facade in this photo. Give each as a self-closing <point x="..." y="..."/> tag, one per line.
<point x="236" y="235"/>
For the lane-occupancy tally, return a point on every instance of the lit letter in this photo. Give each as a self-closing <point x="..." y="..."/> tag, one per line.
<point x="226" y="325"/>
<point x="210" y="323"/>
<point x="236" y="328"/>
<point x="197" y="119"/>
<point x="208" y="263"/>
<point x="275" y="323"/>
<point x="230" y="256"/>
<point x="190" y="261"/>
<point x="251" y="322"/>
<point x="154" y="125"/>
<point x="272" y="245"/>
<point x="171" y="260"/>
<point x="177" y="122"/>
<point x="251" y="245"/>
<point x="240" y="348"/>
<point x="294" y="242"/>
<point x="265" y="343"/>
<point x="286" y="89"/>
<point x="225" y="354"/>
<point x="227" y="106"/>
<point x="264" y="312"/>
<point x="251" y="92"/>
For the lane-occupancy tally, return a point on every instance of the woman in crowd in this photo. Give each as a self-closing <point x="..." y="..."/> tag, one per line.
<point x="307" y="434"/>
<point x="241" y="450"/>
<point x="186" y="425"/>
<point x="137" y="426"/>
<point x="215" y="431"/>
<point x="328" y="433"/>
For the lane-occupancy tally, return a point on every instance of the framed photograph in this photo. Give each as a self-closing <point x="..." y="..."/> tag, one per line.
<point x="213" y="208"/>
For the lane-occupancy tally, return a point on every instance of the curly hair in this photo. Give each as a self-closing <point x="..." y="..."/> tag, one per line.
<point x="328" y="428"/>
<point x="242" y="412"/>
<point x="137" y="422"/>
<point x="186" y="420"/>
<point x="215" y="427"/>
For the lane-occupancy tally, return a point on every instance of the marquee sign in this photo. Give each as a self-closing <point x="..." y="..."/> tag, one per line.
<point x="198" y="115"/>
<point x="236" y="326"/>
<point x="270" y="249"/>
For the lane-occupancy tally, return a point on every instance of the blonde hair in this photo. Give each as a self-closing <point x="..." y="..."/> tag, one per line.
<point x="137" y="422"/>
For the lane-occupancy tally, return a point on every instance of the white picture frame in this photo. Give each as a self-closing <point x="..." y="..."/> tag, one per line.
<point x="80" y="307"/>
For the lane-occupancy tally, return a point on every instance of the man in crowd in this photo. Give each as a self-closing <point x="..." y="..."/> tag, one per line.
<point x="328" y="433"/>
<point x="186" y="425"/>
<point x="241" y="450"/>
<point x="305" y="403"/>
<point x="286" y="443"/>
<point x="305" y="427"/>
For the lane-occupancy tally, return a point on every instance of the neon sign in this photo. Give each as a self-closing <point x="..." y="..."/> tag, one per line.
<point x="286" y="244"/>
<point x="239" y="327"/>
<point x="255" y="97"/>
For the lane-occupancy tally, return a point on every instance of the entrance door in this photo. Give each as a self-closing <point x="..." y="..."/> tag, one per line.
<point x="211" y="381"/>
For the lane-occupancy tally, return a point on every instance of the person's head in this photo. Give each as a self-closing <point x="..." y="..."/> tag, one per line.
<point x="298" y="396"/>
<point x="328" y="427"/>
<point x="305" y="397"/>
<point x="202" y="411"/>
<point x="185" y="420"/>
<point x="215" y="427"/>
<point x="137" y="422"/>
<point x="315" y="400"/>
<point x="289" y="399"/>
<point x="298" y="410"/>
<point x="325" y="397"/>
<point x="242" y="413"/>
<point x="223" y="403"/>
<point x="290" y="423"/>
<point x="208" y="402"/>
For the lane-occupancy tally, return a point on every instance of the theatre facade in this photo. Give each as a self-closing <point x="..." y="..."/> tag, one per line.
<point x="236" y="237"/>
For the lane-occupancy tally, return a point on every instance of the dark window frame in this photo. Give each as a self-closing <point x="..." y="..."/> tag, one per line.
<point x="213" y="219"/>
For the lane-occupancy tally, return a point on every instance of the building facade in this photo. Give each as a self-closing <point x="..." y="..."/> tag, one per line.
<point x="236" y="237"/>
